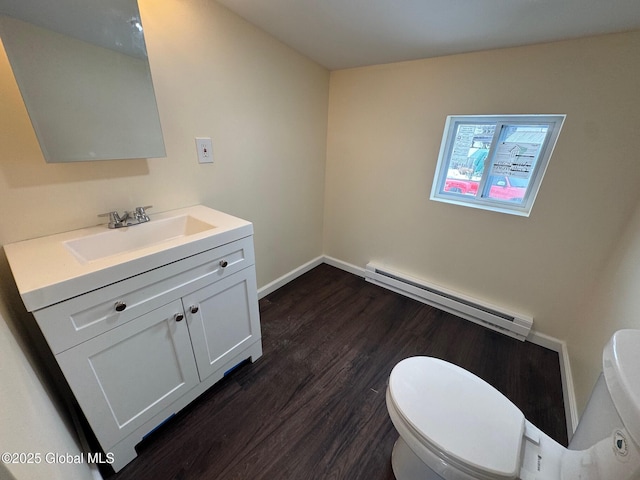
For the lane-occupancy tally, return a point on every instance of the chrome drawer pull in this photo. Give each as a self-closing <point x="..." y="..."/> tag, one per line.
<point x="120" y="306"/>
<point x="178" y="317"/>
<point x="223" y="263"/>
<point x="194" y="308"/>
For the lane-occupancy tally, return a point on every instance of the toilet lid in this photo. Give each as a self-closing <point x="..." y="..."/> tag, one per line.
<point x="458" y="415"/>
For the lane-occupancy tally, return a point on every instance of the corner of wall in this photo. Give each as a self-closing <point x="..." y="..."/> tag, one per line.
<point x="568" y="390"/>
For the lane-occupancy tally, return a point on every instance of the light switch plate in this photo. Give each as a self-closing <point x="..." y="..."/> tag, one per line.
<point x="205" y="149"/>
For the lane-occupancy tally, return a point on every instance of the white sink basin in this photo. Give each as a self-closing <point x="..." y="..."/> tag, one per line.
<point x="128" y="239"/>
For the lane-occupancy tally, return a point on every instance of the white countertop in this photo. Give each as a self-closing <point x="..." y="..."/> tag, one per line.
<point x="47" y="272"/>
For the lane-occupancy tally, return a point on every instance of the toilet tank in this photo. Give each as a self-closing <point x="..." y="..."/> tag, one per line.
<point x="615" y="400"/>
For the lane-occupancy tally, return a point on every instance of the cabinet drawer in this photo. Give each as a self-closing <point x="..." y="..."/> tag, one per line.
<point x="78" y="319"/>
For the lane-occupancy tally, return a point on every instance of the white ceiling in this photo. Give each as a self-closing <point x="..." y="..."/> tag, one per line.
<point x="350" y="33"/>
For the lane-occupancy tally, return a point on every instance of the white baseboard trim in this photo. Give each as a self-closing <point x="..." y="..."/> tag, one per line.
<point x="347" y="267"/>
<point x="568" y="391"/>
<point x="287" y="277"/>
<point x="546" y="341"/>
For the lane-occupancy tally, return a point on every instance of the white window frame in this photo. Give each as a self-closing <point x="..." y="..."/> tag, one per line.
<point x="523" y="208"/>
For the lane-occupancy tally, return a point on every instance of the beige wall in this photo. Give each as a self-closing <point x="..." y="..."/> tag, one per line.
<point x="611" y="305"/>
<point x="265" y="107"/>
<point x="29" y="417"/>
<point x="385" y="129"/>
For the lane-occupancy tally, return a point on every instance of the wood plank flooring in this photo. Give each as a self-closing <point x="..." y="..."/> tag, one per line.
<point x="313" y="407"/>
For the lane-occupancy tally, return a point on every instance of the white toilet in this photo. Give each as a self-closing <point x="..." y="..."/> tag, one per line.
<point x="455" y="426"/>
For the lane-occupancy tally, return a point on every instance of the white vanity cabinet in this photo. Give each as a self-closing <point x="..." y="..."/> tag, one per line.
<point x="180" y="328"/>
<point x="137" y="350"/>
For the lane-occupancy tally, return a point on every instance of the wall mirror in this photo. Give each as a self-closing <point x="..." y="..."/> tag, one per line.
<point x="83" y="72"/>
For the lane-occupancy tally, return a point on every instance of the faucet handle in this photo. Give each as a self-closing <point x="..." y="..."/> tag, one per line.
<point x="142" y="209"/>
<point x="141" y="215"/>
<point x="113" y="216"/>
<point x="114" y="219"/>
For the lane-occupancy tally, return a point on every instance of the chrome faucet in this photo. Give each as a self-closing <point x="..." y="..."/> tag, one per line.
<point x="139" y="215"/>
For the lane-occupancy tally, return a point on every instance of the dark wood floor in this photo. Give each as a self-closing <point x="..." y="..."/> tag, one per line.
<point x="313" y="407"/>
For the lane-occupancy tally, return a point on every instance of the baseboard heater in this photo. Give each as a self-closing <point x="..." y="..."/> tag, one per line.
<point x="513" y="324"/>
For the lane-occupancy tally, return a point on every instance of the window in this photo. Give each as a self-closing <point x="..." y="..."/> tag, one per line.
<point x="495" y="162"/>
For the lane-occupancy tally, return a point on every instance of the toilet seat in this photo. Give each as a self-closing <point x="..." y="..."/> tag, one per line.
<point x="458" y="417"/>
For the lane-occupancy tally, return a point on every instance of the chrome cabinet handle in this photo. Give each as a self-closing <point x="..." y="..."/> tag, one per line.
<point x="223" y="263"/>
<point x="194" y="308"/>
<point x="178" y="317"/>
<point x="120" y="306"/>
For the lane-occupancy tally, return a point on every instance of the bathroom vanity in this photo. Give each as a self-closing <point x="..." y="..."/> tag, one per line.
<point x="143" y="319"/>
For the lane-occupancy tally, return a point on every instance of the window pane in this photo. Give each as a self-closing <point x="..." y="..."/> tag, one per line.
<point x="514" y="161"/>
<point x="469" y="150"/>
<point x="494" y="162"/>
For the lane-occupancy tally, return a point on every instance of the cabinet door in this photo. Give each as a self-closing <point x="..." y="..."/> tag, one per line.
<point x="223" y="319"/>
<point x="127" y="375"/>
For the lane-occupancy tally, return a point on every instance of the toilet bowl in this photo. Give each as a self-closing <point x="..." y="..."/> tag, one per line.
<point x="455" y="426"/>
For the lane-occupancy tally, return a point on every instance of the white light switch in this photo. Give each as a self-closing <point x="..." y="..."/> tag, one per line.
<point x="205" y="149"/>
